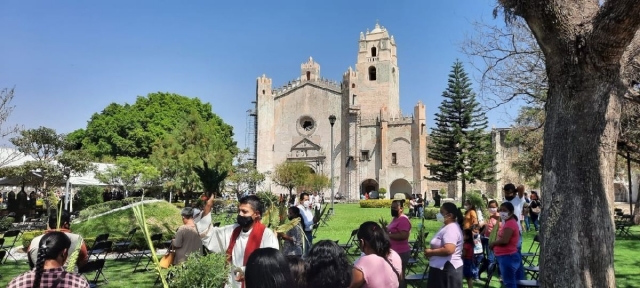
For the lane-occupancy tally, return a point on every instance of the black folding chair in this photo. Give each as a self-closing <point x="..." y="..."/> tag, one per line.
<point x="347" y="246"/>
<point x="3" y="253"/>
<point x="124" y="247"/>
<point x="11" y="233"/>
<point x="101" y="249"/>
<point x="155" y="239"/>
<point x="93" y="266"/>
<point x="416" y="280"/>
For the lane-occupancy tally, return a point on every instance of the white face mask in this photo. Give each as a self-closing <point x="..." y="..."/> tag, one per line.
<point x="440" y="218"/>
<point x="493" y="210"/>
<point x="306" y="203"/>
<point x="504" y="216"/>
<point x="466" y="207"/>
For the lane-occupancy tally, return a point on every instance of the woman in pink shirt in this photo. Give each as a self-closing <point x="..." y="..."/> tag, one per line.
<point x="505" y="247"/>
<point x="399" y="230"/>
<point x="380" y="267"/>
<point x="445" y="254"/>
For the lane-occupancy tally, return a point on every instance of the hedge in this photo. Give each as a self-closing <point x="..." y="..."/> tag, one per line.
<point x="379" y="203"/>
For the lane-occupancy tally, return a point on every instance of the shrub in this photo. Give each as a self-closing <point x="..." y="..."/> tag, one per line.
<point x="380" y="203"/>
<point x="476" y="199"/>
<point x="179" y="205"/>
<point x="267" y="198"/>
<point x="87" y="196"/>
<point x="5" y="223"/>
<point x="201" y="271"/>
<point x="162" y="217"/>
<point x="431" y="212"/>
<point x="28" y="236"/>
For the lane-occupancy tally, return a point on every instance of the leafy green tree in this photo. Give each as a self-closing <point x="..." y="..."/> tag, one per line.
<point x="244" y="175"/>
<point x="202" y="146"/>
<point x="87" y="196"/>
<point x="291" y="174"/>
<point x="459" y="143"/>
<point x="130" y="173"/>
<point x="317" y="182"/>
<point x="131" y="130"/>
<point x="53" y="163"/>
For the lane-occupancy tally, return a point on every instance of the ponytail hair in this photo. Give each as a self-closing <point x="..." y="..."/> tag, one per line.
<point x="376" y="237"/>
<point x="50" y="247"/>
<point x="511" y="209"/>
<point x="453" y="209"/>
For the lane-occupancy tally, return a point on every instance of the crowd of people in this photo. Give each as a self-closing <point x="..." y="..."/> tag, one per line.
<point x="456" y="252"/>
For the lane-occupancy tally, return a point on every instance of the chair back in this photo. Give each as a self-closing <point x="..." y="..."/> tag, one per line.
<point x="102" y="237"/>
<point x="104" y="245"/>
<point x="11" y="233"/>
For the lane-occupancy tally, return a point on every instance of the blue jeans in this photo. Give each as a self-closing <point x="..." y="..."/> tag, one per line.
<point x="420" y="212"/>
<point x="527" y="222"/>
<point x="509" y="266"/>
<point x="309" y="241"/>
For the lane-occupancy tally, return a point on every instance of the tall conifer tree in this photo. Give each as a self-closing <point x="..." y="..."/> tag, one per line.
<point x="460" y="145"/>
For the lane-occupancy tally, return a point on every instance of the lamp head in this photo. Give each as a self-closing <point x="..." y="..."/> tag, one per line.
<point x="332" y="119"/>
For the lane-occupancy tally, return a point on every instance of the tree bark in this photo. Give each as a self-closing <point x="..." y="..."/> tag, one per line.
<point x="583" y="44"/>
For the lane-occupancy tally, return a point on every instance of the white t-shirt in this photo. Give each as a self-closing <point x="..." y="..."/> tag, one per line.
<point x="307" y="216"/>
<point x="518" y="204"/>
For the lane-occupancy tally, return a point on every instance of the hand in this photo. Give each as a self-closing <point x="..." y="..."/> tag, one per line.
<point x="427" y="252"/>
<point x="239" y="276"/>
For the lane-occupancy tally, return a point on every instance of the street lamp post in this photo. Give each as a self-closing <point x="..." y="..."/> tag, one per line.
<point x="332" y="120"/>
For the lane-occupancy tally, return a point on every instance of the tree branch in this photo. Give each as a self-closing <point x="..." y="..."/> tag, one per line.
<point x="615" y="26"/>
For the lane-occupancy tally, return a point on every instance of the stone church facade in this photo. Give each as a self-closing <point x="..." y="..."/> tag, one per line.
<point x="375" y="144"/>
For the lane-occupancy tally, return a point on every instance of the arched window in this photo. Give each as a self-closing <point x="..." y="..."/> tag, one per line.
<point x="372" y="73"/>
<point x="308" y="75"/>
<point x="373" y="52"/>
<point x="353" y="85"/>
<point x="263" y="92"/>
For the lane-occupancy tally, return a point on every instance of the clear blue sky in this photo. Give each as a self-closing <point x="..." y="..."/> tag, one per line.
<point x="70" y="59"/>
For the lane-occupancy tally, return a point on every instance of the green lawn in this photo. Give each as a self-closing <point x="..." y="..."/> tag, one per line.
<point x="347" y="218"/>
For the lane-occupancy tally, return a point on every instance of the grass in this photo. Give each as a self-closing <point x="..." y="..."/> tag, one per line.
<point x="347" y="218"/>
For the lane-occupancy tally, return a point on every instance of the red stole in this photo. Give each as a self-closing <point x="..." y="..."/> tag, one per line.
<point x="255" y="239"/>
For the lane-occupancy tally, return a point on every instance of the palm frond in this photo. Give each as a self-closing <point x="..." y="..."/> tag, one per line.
<point x="73" y="259"/>
<point x="284" y="228"/>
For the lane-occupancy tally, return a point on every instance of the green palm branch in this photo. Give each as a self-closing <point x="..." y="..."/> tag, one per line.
<point x="73" y="258"/>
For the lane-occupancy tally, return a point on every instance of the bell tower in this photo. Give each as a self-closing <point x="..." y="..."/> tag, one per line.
<point x="378" y="74"/>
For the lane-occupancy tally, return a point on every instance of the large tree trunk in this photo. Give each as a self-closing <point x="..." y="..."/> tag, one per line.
<point x="579" y="155"/>
<point x="583" y="43"/>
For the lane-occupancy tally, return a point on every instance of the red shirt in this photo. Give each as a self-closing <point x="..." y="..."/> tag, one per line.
<point x="467" y="252"/>
<point x="512" y="245"/>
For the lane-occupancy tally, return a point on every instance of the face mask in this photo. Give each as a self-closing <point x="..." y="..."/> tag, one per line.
<point x="440" y="218"/>
<point x="466" y="207"/>
<point x="306" y="203"/>
<point x="493" y="210"/>
<point x="509" y="198"/>
<point x="395" y="213"/>
<point x="244" y="221"/>
<point x="504" y="215"/>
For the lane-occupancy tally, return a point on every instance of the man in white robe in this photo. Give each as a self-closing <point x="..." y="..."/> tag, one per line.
<point x="218" y="240"/>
